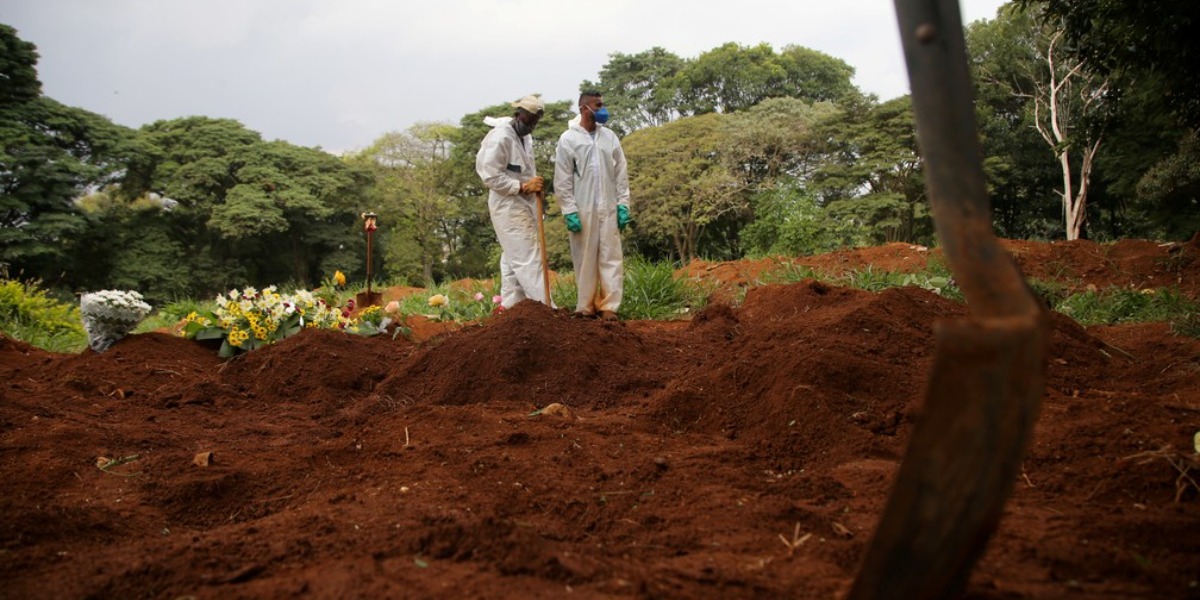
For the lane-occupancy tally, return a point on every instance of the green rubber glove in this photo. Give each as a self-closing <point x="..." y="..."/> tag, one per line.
<point x="573" y="224"/>
<point x="622" y="216"/>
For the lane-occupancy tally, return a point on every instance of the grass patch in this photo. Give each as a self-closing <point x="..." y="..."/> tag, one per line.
<point x="471" y="304"/>
<point x="565" y="293"/>
<point x="171" y="313"/>
<point x="786" y="272"/>
<point x="28" y="313"/>
<point x="1120" y="305"/>
<point x="653" y="291"/>
<point x="34" y="334"/>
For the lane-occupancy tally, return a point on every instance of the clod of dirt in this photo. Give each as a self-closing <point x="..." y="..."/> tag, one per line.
<point x="203" y="459"/>
<point x="558" y="409"/>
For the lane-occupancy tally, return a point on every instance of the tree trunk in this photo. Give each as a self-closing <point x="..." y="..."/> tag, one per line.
<point x="1056" y="97"/>
<point x="1070" y="206"/>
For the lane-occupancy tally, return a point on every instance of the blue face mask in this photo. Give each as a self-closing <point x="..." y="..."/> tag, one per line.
<point x="601" y="116"/>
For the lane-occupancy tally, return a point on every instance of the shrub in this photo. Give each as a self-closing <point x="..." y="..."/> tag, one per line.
<point x="1114" y="306"/>
<point x="28" y="314"/>
<point x="653" y="291"/>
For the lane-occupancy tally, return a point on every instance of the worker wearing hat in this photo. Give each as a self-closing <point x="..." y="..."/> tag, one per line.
<point x="505" y="164"/>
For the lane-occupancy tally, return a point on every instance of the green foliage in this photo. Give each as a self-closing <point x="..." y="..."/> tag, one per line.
<point x="1118" y="305"/>
<point x="1130" y="42"/>
<point x="788" y="221"/>
<point x="874" y="280"/>
<point x="1050" y="293"/>
<point x="638" y="89"/>
<point x="680" y="185"/>
<point x="654" y="291"/>
<point x="145" y="257"/>
<point x="732" y="77"/>
<point x="776" y="139"/>
<point x="565" y="292"/>
<point x="874" y="178"/>
<point x="453" y="303"/>
<point x="410" y="194"/>
<point x="1187" y="324"/>
<point x="28" y="314"/>
<point x="786" y="271"/>
<point x="18" y="68"/>
<point x="251" y="210"/>
<point x="332" y="290"/>
<point x="1021" y="175"/>
<point x="49" y="154"/>
<point x="171" y="313"/>
<point x="1169" y="190"/>
<point x="941" y="285"/>
<point x="935" y="278"/>
<point x="27" y="301"/>
<point x="655" y="87"/>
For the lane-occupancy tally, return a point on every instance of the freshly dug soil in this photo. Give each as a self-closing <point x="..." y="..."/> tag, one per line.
<point x="350" y="467"/>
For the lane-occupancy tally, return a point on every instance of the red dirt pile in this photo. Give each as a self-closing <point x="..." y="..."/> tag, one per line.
<point x="374" y="467"/>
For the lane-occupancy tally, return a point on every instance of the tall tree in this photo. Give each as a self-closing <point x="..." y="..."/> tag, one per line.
<point x="637" y="89"/>
<point x="1129" y="41"/>
<point x="409" y="169"/>
<point x="49" y="155"/>
<point x="777" y="138"/>
<point x="262" y="211"/>
<point x="1064" y="97"/>
<point x="679" y="184"/>
<point x="1020" y="179"/>
<point x="732" y="77"/>
<point x="876" y="180"/>
<point x="1146" y="51"/>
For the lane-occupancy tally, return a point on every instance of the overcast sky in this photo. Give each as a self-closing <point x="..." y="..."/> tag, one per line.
<point x="340" y="73"/>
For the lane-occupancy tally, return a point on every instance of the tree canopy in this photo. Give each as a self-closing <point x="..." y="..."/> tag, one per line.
<point x="738" y="150"/>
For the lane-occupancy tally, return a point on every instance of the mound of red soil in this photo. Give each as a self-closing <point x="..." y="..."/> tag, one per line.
<point x="1137" y="264"/>
<point x="346" y="466"/>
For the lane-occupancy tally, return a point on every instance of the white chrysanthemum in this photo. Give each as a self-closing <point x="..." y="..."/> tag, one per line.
<point x="108" y="315"/>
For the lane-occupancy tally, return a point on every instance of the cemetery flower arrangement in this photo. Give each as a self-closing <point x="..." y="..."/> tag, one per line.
<point x="109" y="315"/>
<point x="249" y="318"/>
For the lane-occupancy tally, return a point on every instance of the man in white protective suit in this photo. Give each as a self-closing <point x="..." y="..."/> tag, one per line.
<point x="592" y="185"/>
<point x="505" y="164"/>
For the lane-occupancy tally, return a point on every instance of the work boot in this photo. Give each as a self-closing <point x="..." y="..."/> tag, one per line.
<point x="608" y="315"/>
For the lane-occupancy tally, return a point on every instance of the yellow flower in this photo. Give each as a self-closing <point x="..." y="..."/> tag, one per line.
<point x="438" y="300"/>
<point x="339" y="278"/>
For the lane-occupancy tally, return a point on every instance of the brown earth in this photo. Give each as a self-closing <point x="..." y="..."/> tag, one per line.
<point x="350" y="467"/>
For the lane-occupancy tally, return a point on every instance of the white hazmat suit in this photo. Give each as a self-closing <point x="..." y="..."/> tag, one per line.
<point x="504" y="162"/>
<point x="590" y="178"/>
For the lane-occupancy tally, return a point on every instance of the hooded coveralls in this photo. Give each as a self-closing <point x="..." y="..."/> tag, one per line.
<point x="590" y="178"/>
<point x="504" y="162"/>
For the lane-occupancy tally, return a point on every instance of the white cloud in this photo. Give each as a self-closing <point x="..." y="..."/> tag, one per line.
<point x="339" y="73"/>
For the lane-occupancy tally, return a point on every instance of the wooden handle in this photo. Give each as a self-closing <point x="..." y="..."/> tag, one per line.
<point x="541" y="212"/>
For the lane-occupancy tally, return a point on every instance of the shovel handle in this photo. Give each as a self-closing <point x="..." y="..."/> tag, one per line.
<point x="541" y="213"/>
<point x="986" y="387"/>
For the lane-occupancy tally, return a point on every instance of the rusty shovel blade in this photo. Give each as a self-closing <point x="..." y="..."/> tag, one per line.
<point x="989" y="370"/>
